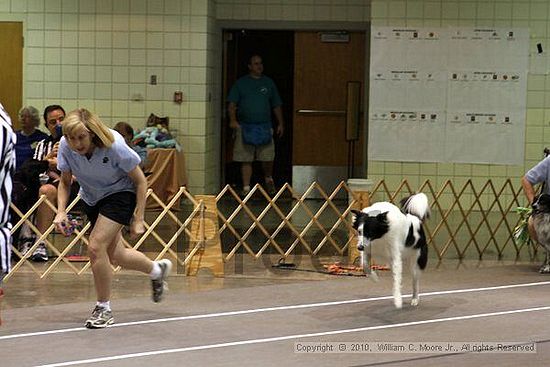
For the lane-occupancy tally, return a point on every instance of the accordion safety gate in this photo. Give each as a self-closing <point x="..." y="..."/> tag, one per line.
<point x="469" y="222"/>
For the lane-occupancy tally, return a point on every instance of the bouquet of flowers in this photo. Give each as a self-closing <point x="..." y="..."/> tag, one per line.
<point x="521" y="232"/>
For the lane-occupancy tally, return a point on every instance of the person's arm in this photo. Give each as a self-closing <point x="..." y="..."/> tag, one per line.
<point x="63" y="192"/>
<point x="51" y="157"/>
<point x="232" y="109"/>
<point x="528" y="190"/>
<point x="280" y="121"/>
<point x="137" y="227"/>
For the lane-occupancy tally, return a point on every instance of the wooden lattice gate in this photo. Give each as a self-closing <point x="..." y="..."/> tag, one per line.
<point x="468" y="222"/>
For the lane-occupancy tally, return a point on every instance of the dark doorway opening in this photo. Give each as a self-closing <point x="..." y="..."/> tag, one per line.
<point x="277" y="51"/>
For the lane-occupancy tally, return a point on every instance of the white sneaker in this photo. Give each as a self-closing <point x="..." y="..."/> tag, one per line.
<point x="100" y="318"/>
<point x="159" y="285"/>
<point x="40" y="254"/>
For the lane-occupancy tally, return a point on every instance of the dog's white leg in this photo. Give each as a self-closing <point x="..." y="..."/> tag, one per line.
<point x="415" y="270"/>
<point x="396" y="269"/>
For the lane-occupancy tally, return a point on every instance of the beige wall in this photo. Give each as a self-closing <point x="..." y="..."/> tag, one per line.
<point x="534" y="15"/>
<point x="100" y="54"/>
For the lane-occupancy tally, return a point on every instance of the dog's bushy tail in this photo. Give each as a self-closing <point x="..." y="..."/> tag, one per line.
<point x="416" y="205"/>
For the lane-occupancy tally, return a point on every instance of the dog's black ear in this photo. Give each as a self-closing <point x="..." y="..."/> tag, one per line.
<point x="355" y="214"/>
<point x="383" y="217"/>
<point x="404" y="201"/>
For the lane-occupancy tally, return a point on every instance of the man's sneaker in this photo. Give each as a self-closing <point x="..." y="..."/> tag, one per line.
<point x="270" y="187"/>
<point x="244" y="192"/>
<point x="100" y="318"/>
<point x="40" y="254"/>
<point x="159" y="285"/>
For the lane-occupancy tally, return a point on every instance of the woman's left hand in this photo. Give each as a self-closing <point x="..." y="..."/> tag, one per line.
<point x="137" y="228"/>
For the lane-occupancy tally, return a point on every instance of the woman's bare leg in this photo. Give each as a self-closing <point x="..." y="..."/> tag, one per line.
<point x="128" y="258"/>
<point x="102" y="236"/>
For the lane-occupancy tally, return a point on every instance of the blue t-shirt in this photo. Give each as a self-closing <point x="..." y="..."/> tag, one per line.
<point x="105" y="173"/>
<point x="540" y="173"/>
<point x="24" y="147"/>
<point x="255" y="98"/>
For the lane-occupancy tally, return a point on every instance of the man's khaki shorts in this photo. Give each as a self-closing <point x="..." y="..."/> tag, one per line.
<point x="249" y="153"/>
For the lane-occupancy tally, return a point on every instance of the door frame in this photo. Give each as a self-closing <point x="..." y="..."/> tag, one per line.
<point x="18" y="18"/>
<point x="225" y="25"/>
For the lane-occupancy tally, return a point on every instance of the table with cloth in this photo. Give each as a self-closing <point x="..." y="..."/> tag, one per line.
<point x="165" y="169"/>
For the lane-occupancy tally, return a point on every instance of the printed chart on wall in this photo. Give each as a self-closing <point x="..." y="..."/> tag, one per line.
<point x="448" y="94"/>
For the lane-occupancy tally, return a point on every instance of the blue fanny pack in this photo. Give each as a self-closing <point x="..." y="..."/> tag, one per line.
<point x="256" y="134"/>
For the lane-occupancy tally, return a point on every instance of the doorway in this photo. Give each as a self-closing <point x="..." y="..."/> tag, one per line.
<point x="277" y="51"/>
<point x="312" y="71"/>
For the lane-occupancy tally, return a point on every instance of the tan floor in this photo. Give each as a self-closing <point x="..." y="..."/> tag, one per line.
<point x="257" y="318"/>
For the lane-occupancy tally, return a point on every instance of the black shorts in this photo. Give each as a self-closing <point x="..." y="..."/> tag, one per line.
<point x="118" y="207"/>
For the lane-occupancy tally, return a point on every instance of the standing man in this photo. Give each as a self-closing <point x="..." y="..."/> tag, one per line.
<point x="251" y="101"/>
<point x="7" y="167"/>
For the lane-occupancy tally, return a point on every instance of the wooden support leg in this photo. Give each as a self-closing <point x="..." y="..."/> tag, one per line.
<point x="205" y="239"/>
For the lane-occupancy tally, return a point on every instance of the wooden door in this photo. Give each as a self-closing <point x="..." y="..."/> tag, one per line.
<point x="322" y="71"/>
<point x="11" y="68"/>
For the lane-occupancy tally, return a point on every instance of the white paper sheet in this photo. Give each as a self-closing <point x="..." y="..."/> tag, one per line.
<point x="448" y="94"/>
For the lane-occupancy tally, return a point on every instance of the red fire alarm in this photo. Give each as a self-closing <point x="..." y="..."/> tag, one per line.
<point x="178" y="96"/>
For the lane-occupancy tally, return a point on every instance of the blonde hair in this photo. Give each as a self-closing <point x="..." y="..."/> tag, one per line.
<point x="82" y="118"/>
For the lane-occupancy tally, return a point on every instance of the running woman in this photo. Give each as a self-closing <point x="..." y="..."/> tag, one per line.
<point x="113" y="189"/>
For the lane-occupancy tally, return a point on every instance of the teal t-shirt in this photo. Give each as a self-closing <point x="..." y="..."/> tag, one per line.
<point x="255" y="98"/>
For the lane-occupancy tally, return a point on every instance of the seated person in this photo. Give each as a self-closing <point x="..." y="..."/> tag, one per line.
<point x="127" y="132"/>
<point x="46" y="152"/>
<point x="28" y="136"/>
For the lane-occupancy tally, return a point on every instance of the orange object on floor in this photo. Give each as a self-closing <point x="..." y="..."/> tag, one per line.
<point x="77" y="258"/>
<point x="339" y="269"/>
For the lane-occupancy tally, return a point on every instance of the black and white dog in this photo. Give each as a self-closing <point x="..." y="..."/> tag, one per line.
<point x="401" y="232"/>
<point x="541" y="223"/>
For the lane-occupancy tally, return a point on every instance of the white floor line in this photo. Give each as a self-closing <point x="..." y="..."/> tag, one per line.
<point x="289" y="337"/>
<point x="275" y="308"/>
